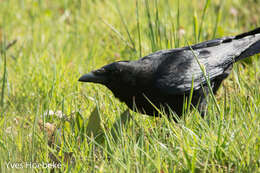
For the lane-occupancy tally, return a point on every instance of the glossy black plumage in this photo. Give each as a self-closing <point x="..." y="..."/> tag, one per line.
<point x="164" y="78"/>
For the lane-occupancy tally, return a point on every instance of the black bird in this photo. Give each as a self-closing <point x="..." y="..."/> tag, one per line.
<point x="164" y="79"/>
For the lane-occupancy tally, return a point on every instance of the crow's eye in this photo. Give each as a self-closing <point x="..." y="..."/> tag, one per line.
<point x="100" y="71"/>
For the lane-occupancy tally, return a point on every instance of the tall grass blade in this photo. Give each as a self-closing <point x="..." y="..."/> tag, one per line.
<point x="191" y="93"/>
<point x="203" y="17"/>
<point x="202" y="68"/>
<point x="94" y="124"/>
<point x="178" y="25"/>
<point x="150" y="26"/>
<point x="138" y="28"/>
<point x="157" y="26"/>
<point x="121" y="122"/>
<point x="118" y="33"/>
<point x="175" y="37"/>
<point x="195" y="27"/>
<point x="219" y="8"/>
<point x="126" y="27"/>
<point x="3" y="54"/>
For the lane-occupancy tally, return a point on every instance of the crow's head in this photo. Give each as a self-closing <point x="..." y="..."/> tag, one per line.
<point x="114" y="75"/>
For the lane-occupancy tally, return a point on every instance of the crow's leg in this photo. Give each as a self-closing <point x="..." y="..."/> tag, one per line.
<point x="202" y="107"/>
<point x="201" y="96"/>
<point x="204" y="95"/>
<point x="218" y="80"/>
<point x="203" y="101"/>
<point x="200" y="99"/>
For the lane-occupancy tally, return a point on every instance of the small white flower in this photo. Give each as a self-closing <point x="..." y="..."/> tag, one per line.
<point x="51" y="113"/>
<point x="233" y="11"/>
<point x="59" y="114"/>
<point x="182" y="31"/>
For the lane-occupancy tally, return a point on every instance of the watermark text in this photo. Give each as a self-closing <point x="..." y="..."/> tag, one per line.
<point x="32" y="165"/>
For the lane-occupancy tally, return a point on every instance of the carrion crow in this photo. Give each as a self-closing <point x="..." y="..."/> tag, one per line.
<point x="164" y="79"/>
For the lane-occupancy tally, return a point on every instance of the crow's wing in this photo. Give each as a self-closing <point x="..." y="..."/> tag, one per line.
<point x="179" y="67"/>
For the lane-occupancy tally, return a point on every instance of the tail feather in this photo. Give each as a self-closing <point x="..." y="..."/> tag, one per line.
<point x="253" y="32"/>
<point x="252" y="50"/>
<point x="254" y="47"/>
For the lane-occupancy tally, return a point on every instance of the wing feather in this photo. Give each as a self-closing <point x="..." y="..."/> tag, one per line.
<point x="179" y="66"/>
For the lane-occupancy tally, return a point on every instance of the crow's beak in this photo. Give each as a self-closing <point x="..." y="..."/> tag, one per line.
<point x="91" y="77"/>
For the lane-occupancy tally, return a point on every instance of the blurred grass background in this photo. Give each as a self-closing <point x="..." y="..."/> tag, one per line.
<point x="45" y="112"/>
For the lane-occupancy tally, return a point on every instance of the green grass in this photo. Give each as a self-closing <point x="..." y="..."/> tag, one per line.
<point x="57" y="41"/>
